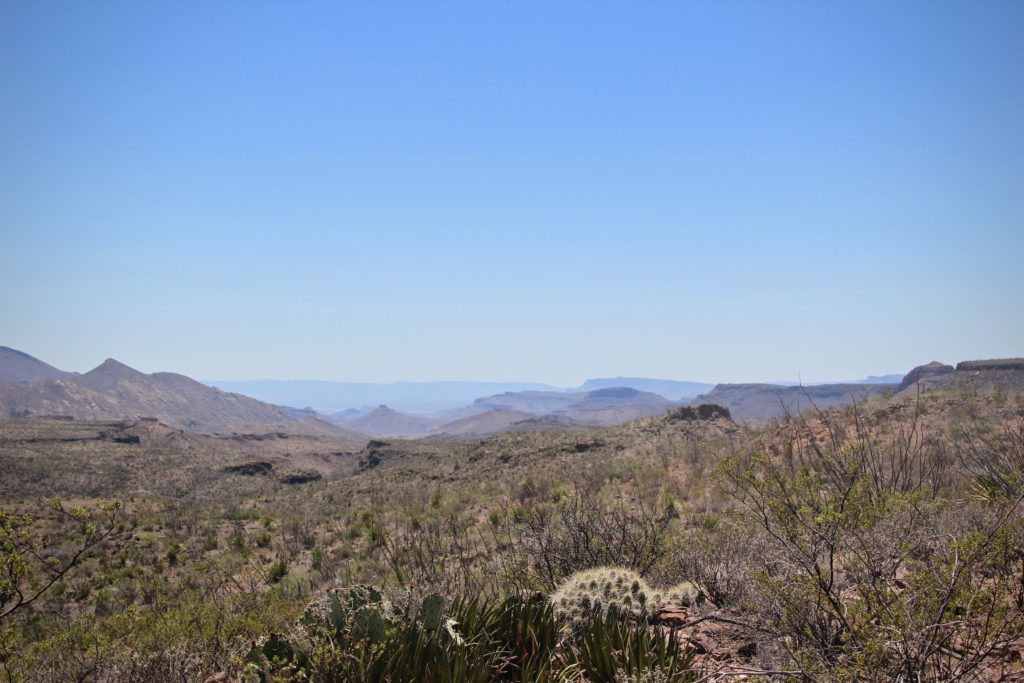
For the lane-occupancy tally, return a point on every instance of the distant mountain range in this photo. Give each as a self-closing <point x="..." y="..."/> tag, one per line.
<point x="114" y="391"/>
<point x="333" y="397"/>
<point x="438" y="399"/>
<point x="513" y="410"/>
<point x="448" y="400"/>
<point x="766" y="401"/>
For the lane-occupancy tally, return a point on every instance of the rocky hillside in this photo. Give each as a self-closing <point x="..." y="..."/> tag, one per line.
<point x="767" y="401"/>
<point x="493" y="421"/>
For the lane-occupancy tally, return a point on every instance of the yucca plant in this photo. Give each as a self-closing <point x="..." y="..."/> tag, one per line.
<point x="356" y="635"/>
<point x="526" y="633"/>
<point x="441" y="649"/>
<point x="612" y="647"/>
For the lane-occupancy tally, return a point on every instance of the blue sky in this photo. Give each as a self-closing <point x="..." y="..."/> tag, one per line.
<point x="714" y="191"/>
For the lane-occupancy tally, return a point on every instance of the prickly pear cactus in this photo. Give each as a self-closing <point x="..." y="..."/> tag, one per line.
<point x="431" y="612"/>
<point x="273" y="653"/>
<point x="359" y="613"/>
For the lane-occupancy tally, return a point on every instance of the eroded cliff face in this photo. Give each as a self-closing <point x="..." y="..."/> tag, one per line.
<point x="933" y="369"/>
<point x="1004" y="373"/>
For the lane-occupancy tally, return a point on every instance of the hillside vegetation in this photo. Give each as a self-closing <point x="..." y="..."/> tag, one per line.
<point x="879" y="541"/>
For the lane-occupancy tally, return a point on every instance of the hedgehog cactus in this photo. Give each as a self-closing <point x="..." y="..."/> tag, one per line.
<point x="603" y="589"/>
<point x="686" y="594"/>
<point x="596" y="591"/>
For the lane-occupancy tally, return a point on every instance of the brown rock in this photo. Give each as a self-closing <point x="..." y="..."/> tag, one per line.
<point x="220" y="677"/>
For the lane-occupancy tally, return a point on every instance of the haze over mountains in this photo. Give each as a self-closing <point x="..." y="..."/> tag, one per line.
<point x="332" y="397"/>
<point x="114" y="391"/>
<point x="445" y="399"/>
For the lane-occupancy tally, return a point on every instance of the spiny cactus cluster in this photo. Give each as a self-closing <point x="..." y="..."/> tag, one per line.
<point x="596" y="591"/>
<point x="685" y="594"/>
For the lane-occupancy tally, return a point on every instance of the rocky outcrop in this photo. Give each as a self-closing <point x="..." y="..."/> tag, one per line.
<point x="704" y="411"/>
<point x="933" y="369"/>
<point x="303" y="477"/>
<point x="374" y="454"/>
<point x="251" y="469"/>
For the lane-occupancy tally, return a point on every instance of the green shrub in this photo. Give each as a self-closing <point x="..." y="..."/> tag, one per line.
<point x="278" y="570"/>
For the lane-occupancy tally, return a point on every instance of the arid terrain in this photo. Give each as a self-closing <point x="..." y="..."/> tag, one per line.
<point x="863" y="542"/>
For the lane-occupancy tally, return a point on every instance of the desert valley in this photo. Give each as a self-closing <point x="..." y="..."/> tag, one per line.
<point x="489" y="342"/>
<point x="156" y="528"/>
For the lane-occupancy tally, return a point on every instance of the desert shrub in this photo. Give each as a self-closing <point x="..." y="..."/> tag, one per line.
<point x="186" y="640"/>
<point x="263" y="539"/>
<point x="553" y="541"/>
<point x="995" y="461"/>
<point x="865" y="574"/>
<point x="32" y="563"/>
<point x="610" y="649"/>
<point x="720" y="553"/>
<point x="278" y="570"/>
<point x="439" y="553"/>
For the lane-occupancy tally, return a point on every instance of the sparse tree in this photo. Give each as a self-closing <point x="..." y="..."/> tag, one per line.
<point x="30" y="566"/>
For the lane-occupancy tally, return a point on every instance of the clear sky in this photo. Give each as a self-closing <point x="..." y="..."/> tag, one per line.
<point x="542" y="191"/>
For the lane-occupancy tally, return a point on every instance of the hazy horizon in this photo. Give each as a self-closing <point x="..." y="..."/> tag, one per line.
<point x="522" y="381"/>
<point x="714" y="192"/>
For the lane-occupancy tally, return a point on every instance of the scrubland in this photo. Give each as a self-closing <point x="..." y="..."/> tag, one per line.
<point x="882" y="541"/>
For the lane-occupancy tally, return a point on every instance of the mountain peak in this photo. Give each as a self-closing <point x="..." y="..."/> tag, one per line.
<point x="113" y="366"/>
<point x="108" y="373"/>
<point x="383" y="421"/>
